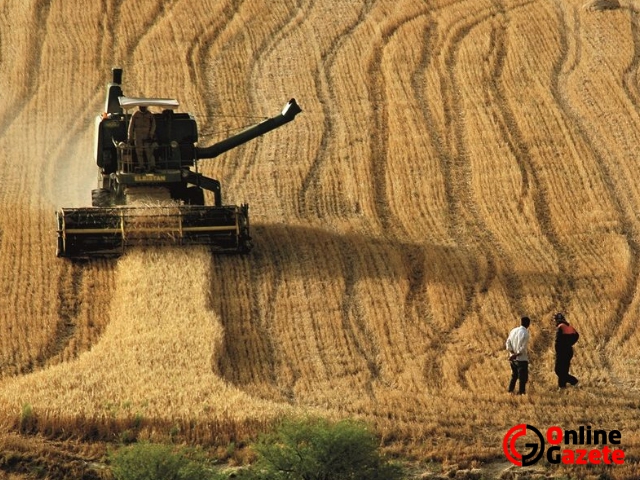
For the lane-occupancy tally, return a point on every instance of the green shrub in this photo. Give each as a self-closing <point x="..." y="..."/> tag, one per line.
<point x="148" y="461"/>
<point x="320" y="450"/>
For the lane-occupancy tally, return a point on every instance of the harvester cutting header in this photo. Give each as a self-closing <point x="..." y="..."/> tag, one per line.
<point x="149" y="189"/>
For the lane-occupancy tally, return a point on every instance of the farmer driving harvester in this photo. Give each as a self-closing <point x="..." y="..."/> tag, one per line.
<point x="141" y="134"/>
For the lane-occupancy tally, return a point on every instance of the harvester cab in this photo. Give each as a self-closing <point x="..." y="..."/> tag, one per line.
<point x="158" y="199"/>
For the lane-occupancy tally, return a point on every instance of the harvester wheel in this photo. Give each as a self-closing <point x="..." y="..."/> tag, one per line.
<point x="101" y="197"/>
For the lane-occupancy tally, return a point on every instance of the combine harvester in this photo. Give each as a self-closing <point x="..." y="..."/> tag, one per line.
<point x="115" y="221"/>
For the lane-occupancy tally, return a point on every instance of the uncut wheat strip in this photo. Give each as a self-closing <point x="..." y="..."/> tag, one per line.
<point x="248" y="359"/>
<point x="85" y="319"/>
<point x="155" y="355"/>
<point x="29" y="323"/>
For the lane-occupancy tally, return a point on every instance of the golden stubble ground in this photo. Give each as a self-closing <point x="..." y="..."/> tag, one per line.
<point x="457" y="165"/>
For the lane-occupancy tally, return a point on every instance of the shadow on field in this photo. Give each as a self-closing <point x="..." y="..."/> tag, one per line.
<point x="289" y="262"/>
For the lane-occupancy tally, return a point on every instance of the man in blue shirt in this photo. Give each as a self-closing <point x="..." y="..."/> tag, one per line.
<point x="517" y="344"/>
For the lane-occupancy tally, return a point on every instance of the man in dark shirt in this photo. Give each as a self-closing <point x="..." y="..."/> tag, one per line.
<point x="566" y="337"/>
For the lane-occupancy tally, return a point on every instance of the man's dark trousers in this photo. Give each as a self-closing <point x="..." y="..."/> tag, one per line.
<point x="519" y="372"/>
<point x="563" y="363"/>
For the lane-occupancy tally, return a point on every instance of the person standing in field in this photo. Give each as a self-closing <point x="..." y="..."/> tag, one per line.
<point x="142" y="130"/>
<point x="517" y="344"/>
<point x="566" y="337"/>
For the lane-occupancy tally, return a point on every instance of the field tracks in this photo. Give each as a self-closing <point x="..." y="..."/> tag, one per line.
<point x="611" y="181"/>
<point x="26" y="83"/>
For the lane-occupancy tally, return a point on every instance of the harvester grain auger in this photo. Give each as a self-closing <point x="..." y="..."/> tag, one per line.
<point x="116" y="220"/>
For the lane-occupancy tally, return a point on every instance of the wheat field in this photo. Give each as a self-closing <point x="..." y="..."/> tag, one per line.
<point x="458" y="164"/>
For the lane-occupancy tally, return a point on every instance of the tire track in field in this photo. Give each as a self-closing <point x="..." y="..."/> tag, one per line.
<point x="297" y="16"/>
<point x="417" y="296"/>
<point x="325" y="89"/>
<point x="238" y="167"/>
<point x="379" y="148"/>
<point x="355" y="327"/>
<point x="457" y="171"/>
<point x="439" y="140"/>
<point x="532" y="185"/>
<point x="632" y="92"/>
<point x="108" y="42"/>
<point x="354" y="324"/>
<point x="252" y="330"/>
<point x="465" y="222"/>
<point x="630" y="75"/>
<point x="199" y="53"/>
<point x="33" y="56"/>
<point x="624" y="211"/>
<point x="416" y="303"/>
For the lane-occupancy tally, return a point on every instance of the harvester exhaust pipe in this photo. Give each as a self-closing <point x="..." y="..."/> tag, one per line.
<point x="117" y="75"/>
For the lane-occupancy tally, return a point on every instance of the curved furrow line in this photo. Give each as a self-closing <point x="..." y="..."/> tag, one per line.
<point x="630" y="75"/>
<point x="379" y="146"/>
<point x="258" y="70"/>
<point x="145" y="28"/>
<point x="325" y="90"/>
<point x="466" y="222"/>
<point x="199" y="52"/>
<point x="353" y="309"/>
<point x="355" y="325"/>
<point x="33" y="55"/>
<point x="632" y="92"/>
<point x="356" y="328"/>
<point x="458" y="173"/>
<point x="438" y="129"/>
<point x="237" y="168"/>
<point x="532" y="185"/>
<point x="446" y="137"/>
<point x="623" y="210"/>
<point x="417" y="295"/>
